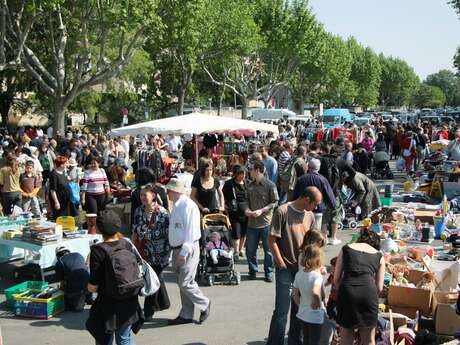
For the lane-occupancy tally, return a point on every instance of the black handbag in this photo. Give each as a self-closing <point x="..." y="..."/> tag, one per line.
<point x="161" y="297"/>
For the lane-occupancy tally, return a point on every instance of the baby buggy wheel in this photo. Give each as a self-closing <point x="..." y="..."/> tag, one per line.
<point x="210" y="280"/>
<point x="236" y="278"/>
<point x="353" y="225"/>
<point x="340" y="226"/>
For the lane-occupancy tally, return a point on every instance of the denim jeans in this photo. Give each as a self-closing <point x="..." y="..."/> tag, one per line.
<point x="284" y="282"/>
<point x="122" y="337"/>
<point x="253" y="237"/>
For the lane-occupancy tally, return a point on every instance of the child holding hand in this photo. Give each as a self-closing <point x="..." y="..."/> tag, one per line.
<point x="307" y="294"/>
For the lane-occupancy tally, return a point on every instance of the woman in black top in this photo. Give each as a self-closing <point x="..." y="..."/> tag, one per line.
<point x="109" y="317"/>
<point x="359" y="275"/>
<point x="59" y="193"/>
<point x="236" y="203"/>
<point x="206" y="191"/>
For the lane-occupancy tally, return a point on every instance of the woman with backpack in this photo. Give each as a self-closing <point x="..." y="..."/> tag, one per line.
<point x="116" y="311"/>
<point x="151" y="227"/>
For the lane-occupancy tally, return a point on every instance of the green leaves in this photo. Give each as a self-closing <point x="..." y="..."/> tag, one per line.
<point x="448" y="82"/>
<point x="430" y="96"/>
<point x="456" y="5"/>
<point x="457" y="61"/>
<point x="399" y="82"/>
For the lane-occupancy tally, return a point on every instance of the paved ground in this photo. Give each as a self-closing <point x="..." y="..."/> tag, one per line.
<point x="240" y="316"/>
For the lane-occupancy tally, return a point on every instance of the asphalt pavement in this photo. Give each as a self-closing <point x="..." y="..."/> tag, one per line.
<point x="240" y="315"/>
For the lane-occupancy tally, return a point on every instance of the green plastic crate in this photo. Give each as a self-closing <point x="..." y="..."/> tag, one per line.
<point x="386" y="201"/>
<point x="20" y="288"/>
<point x="38" y="308"/>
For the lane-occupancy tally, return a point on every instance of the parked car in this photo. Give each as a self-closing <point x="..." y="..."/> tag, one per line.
<point x="455" y="115"/>
<point x="407" y="117"/>
<point x="434" y="120"/>
<point x="361" y="121"/>
<point x="446" y="119"/>
<point x="335" y="117"/>
<point x="275" y="114"/>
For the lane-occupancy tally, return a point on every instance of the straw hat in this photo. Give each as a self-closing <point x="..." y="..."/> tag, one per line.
<point x="176" y="185"/>
<point x="73" y="162"/>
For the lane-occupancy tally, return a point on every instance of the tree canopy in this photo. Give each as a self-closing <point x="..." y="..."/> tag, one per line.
<point x="399" y="82"/>
<point x="430" y="96"/>
<point x="448" y="82"/>
<point x="155" y="55"/>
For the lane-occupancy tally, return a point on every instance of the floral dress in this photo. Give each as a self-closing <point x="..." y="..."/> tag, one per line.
<point x="155" y="234"/>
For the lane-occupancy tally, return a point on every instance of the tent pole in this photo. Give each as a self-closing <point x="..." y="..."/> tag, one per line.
<point x="196" y="152"/>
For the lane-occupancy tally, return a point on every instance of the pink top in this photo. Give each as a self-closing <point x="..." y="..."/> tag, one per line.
<point x="216" y="245"/>
<point x="368" y="144"/>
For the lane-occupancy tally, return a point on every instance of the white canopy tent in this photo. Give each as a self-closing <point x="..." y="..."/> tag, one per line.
<point x="194" y="123"/>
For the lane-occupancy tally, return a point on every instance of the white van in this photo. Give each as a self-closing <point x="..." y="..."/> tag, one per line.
<point x="275" y="114"/>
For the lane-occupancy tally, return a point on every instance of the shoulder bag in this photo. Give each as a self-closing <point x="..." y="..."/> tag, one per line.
<point x="151" y="280"/>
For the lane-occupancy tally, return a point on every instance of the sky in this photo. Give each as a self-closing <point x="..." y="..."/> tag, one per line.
<point x="425" y="33"/>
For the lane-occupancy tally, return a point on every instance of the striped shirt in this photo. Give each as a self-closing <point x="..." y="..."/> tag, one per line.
<point x="283" y="159"/>
<point x="94" y="182"/>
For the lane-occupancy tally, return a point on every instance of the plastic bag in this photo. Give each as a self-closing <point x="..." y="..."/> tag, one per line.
<point x="400" y="164"/>
<point x="74" y="190"/>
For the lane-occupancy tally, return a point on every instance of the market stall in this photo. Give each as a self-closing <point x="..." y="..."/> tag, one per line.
<point x="421" y="247"/>
<point x="36" y="241"/>
<point x="194" y="123"/>
<point x="224" y="153"/>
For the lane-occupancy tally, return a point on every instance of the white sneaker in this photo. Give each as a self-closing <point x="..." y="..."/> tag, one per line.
<point x="335" y="242"/>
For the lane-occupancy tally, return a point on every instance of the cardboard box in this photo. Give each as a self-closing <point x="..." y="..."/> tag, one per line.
<point x="408" y="312"/>
<point x="425" y="216"/>
<point x="415" y="276"/>
<point x="418" y="299"/>
<point x="446" y="319"/>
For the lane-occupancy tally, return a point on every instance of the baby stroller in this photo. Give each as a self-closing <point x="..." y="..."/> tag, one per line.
<point x="349" y="217"/>
<point x="224" y="271"/>
<point x="381" y="168"/>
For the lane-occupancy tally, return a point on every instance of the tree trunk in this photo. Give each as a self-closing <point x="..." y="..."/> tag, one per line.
<point x="181" y="101"/>
<point x="266" y="103"/>
<point x="244" y="108"/>
<point x="221" y="98"/>
<point x="6" y="100"/>
<point x="301" y="95"/>
<point x="59" y="118"/>
<point x="301" y="105"/>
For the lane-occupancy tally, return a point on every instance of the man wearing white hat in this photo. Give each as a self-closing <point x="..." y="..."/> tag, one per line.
<point x="184" y="234"/>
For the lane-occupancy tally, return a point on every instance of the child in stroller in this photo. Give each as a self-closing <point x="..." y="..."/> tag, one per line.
<point x="381" y="168"/>
<point x="216" y="247"/>
<point x="350" y="215"/>
<point x="216" y="258"/>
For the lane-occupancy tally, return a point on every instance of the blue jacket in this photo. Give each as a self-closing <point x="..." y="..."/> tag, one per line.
<point x="316" y="180"/>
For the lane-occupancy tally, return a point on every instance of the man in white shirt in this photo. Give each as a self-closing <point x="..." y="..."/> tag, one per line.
<point x="49" y="131"/>
<point x="174" y="143"/>
<point x="184" y="234"/>
<point x="124" y="142"/>
<point x="454" y="147"/>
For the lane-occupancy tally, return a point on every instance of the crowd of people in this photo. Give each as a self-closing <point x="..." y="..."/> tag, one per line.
<point x="287" y="193"/>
